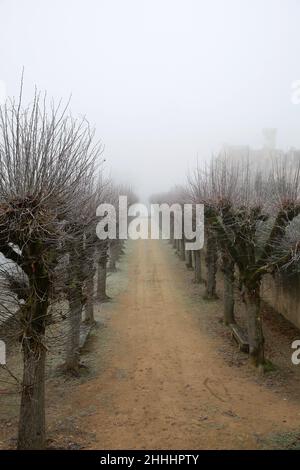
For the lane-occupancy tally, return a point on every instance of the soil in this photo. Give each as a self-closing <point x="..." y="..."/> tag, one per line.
<point x="161" y="371"/>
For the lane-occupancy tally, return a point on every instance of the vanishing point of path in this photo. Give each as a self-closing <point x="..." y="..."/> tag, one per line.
<point x="163" y="383"/>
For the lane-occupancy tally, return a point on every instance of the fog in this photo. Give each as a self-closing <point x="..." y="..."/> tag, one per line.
<point x="164" y="81"/>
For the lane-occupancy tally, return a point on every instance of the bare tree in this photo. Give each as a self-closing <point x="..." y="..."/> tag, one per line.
<point x="211" y="259"/>
<point x="43" y="157"/>
<point x="81" y="249"/>
<point x="250" y="209"/>
<point x="197" y="266"/>
<point x="227" y="268"/>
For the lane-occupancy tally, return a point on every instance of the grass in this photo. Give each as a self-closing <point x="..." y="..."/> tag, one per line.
<point x="283" y="441"/>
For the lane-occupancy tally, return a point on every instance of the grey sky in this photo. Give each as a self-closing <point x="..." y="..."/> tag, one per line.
<point x="163" y="81"/>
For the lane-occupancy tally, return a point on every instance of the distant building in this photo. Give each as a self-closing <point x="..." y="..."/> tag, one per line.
<point x="261" y="156"/>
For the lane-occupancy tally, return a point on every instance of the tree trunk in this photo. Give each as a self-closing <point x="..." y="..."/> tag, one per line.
<point x="75" y="315"/>
<point x="211" y="265"/>
<point x="254" y="320"/>
<point x="101" y="282"/>
<point x="89" y="305"/>
<point x="31" y="432"/>
<point x="112" y="265"/>
<point x="172" y="238"/>
<point x="76" y="301"/>
<point x="197" y="263"/>
<point x="174" y="242"/>
<point x="182" y="249"/>
<point x="112" y="258"/>
<point x="102" y="276"/>
<point x="120" y="249"/>
<point x="228" y="299"/>
<point x="189" y="259"/>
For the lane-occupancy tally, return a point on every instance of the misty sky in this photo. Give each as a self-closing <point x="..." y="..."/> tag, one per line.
<point x="163" y="81"/>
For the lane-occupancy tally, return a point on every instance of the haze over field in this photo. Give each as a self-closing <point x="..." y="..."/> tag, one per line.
<point x="163" y="81"/>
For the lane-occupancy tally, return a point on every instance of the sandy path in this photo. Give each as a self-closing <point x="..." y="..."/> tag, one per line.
<point x="163" y="383"/>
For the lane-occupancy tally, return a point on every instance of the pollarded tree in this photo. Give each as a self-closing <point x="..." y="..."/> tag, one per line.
<point x="44" y="155"/>
<point x="199" y="193"/>
<point x="111" y="249"/>
<point x="108" y="196"/>
<point x="286" y="253"/>
<point x="80" y="247"/>
<point x="250" y="210"/>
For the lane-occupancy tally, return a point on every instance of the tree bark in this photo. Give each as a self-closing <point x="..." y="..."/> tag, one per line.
<point x="102" y="276"/>
<point x="228" y="298"/>
<point x="75" y="315"/>
<point x="31" y="431"/>
<point x="174" y="242"/>
<point x="120" y="249"/>
<point x="172" y="238"/>
<point x="112" y="265"/>
<point x="189" y="259"/>
<point x="211" y="266"/>
<point x="76" y="299"/>
<point x="89" y="305"/>
<point x="112" y="258"/>
<point x="254" y="320"/>
<point x="182" y="249"/>
<point x="197" y="263"/>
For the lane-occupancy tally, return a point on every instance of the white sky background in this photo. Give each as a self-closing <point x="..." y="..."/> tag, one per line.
<point x="163" y="81"/>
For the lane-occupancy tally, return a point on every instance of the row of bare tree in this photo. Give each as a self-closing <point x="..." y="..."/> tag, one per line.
<point x="51" y="182"/>
<point x="252" y="227"/>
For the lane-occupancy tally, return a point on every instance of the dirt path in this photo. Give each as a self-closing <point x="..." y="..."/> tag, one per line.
<point x="163" y="384"/>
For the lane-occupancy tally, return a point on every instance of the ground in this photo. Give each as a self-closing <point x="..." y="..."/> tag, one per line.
<point x="162" y="372"/>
